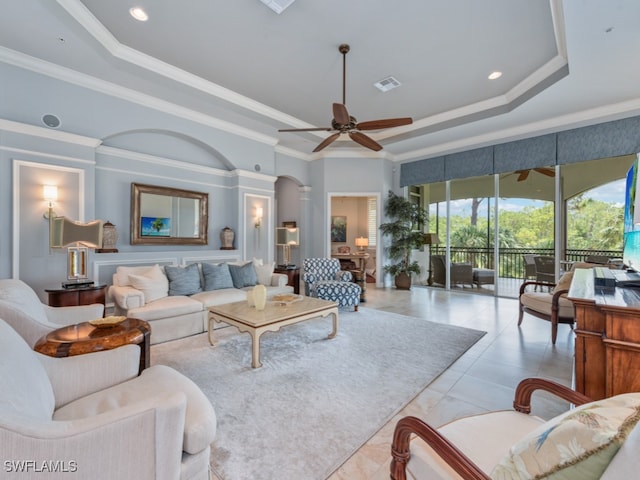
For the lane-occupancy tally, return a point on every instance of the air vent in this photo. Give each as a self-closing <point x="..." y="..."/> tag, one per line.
<point x="277" y="6"/>
<point x="387" y="84"/>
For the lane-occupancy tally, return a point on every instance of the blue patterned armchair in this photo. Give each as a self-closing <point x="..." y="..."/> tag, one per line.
<point x="323" y="279"/>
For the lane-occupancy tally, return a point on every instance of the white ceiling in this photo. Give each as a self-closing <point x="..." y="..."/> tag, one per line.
<point x="564" y="64"/>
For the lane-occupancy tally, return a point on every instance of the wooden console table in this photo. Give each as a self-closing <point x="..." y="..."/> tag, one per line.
<point x="293" y="275"/>
<point x="74" y="296"/>
<point x="607" y="338"/>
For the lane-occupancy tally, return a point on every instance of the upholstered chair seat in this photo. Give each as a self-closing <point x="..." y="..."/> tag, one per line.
<point x="553" y="306"/>
<point x="95" y="414"/>
<point x="324" y="279"/>
<point x="596" y="440"/>
<point x="21" y="308"/>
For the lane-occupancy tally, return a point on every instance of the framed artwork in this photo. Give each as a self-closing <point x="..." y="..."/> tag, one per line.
<point x="155" y="227"/>
<point x="339" y="229"/>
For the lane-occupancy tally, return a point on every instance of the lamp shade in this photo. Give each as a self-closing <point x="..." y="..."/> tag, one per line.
<point x="362" y="242"/>
<point x="430" y="239"/>
<point x="66" y="232"/>
<point x="287" y="236"/>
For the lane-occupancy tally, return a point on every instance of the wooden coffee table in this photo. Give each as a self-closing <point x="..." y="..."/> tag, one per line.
<point x="271" y="319"/>
<point x="85" y="338"/>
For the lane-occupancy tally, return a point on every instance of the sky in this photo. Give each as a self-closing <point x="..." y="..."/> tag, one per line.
<point x="611" y="193"/>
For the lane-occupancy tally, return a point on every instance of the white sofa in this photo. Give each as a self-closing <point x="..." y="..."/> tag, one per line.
<point x="91" y="416"/>
<point x="163" y="296"/>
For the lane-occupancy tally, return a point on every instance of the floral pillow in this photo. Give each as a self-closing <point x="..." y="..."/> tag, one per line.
<point x="578" y="445"/>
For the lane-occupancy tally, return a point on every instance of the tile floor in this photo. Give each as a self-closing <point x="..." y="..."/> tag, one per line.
<point x="482" y="379"/>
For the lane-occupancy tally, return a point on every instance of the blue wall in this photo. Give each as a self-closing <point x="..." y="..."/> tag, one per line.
<point x="105" y="143"/>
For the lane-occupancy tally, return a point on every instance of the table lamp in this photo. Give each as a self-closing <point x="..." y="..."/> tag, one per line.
<point x="286" y="238"/>
<point x="78" y="238"/>
<point x="362" y="243"/>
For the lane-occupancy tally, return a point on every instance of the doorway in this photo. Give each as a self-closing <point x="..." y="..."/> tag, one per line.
<point x="353" y="220"/>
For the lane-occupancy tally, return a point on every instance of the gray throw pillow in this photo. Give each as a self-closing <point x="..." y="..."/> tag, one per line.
<point x="183" y="280"/>
<point x="216" y="276"/>
<point x="243" y="275"/>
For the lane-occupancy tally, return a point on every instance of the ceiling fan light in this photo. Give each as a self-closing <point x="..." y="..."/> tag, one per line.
<point x="386" y="84"/>
<point x="277" y="6"/>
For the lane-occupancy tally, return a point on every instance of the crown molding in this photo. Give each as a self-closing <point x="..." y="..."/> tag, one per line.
<point x="166" y="162"/>
<point x="74" y="77"/>
<point x="91" y="24"/>
<point x="42" y="132"/>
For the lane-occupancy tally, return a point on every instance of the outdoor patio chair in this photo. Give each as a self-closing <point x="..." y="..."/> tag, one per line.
<point x="529" y="266"/>
<point x="599" y="259"/>
<point x="461" y="273"/>
<point x="510" y="443"/>
<point x="545" y="269"/>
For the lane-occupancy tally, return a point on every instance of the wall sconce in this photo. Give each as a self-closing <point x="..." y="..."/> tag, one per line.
<point x="362" y="243"/>
<point x="287" y="238"/>
<point x="78" y="237"/>
<point x="50" y="195"/>
<point x="258" y="218"/>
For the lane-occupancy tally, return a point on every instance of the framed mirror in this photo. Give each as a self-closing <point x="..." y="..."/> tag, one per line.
<point x="168" y="216"/>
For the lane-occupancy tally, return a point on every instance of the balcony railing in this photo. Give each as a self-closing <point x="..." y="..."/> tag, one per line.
<point x="511" y="260"/>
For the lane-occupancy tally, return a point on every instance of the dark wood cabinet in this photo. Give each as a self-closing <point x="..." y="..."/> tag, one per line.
<point x="70" y="297"/>
<point x="293" y="276"/>
<point x="607" y="353"/>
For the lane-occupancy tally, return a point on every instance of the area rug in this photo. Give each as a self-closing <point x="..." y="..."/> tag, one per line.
<point x="315" y="401"/>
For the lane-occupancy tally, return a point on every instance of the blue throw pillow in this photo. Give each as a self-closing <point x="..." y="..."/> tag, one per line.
<point x="216" y="276"/>
<point x="183" y="280"/>
<point x="243" y="275"/>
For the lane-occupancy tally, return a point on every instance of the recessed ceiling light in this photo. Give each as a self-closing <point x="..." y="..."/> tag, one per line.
<point x="494" y="75"/>
<point x="139" y="14"/>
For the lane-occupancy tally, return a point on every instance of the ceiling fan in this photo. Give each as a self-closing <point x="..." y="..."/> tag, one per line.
<point x="344" y="123"/>
<point x="524" y="174"/>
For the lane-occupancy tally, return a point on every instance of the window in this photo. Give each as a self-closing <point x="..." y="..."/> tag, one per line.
<point x="372" y="219"/>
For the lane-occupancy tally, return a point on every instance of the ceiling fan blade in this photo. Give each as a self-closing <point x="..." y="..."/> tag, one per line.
<point x="340" y="114"/>
<point x="327" y="141"/>
<point x="316" y="129"/>
<point x="524" y="174"/>
<point x="549" y="172"/>
<point x="384" y="123"/>
<point x="365" y="141"/>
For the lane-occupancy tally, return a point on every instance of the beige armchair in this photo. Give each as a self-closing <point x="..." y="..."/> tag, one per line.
<point x="596" y="440"/>
<point x="21" y="308"/>
<point x="91" y="416"/>
<point x="552" y="306"/>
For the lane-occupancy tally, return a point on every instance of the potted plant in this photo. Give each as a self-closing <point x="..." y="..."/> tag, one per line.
<point x="405" y="230"/>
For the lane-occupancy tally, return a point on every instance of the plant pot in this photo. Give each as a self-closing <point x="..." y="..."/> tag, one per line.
<point x="403" y="281"/>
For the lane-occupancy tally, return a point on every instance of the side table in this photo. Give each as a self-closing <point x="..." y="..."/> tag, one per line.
<point x="74" y="296"/>
<point x="293" y="275"/>
<point x="85" y="338"/>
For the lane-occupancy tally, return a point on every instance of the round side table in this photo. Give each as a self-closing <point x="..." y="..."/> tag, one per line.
<point x="85" y="338"/>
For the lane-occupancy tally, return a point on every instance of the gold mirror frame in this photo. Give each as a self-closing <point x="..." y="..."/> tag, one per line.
<point x="137" y="236"/>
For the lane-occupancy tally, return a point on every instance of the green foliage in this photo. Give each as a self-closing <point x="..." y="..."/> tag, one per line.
<point x="591" y="225"/>
<point x="405" y="231"/>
